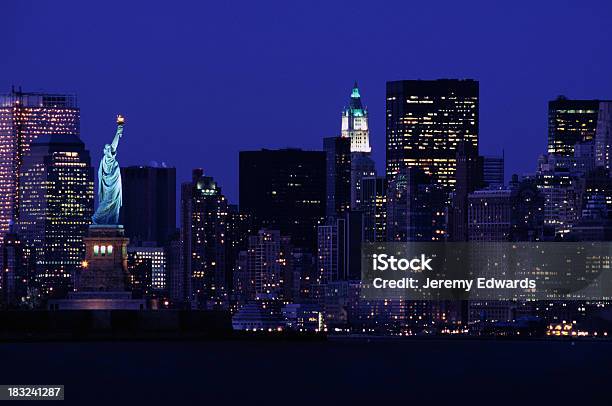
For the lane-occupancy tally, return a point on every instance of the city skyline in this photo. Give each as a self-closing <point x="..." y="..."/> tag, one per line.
<point x="273" y="59"/>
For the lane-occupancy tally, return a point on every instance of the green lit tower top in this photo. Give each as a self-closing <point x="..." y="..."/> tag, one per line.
<point x="355" y="123"/>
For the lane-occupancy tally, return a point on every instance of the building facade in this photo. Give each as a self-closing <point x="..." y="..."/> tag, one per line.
<point x="56" y="200"/>
<point x="23" y="118"/>
<point x="426" y="120"/>
<point x="203" y="228"/>
<point x="355" y="123"/>
<point x="148" y="212"/>
<point x="284" y="190"/>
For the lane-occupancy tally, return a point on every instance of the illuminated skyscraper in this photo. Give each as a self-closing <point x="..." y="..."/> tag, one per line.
<point x="570" y="122"/>
<point x="426" y="120"/>
<point x="24" y="117"/>
<point x="203" y="227"/>
<point x="56" y="194"/>
<point x="355" y="123"/>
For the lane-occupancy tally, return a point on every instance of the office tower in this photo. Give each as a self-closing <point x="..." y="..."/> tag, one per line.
<point x="178" y="280"/>
<point x="569" y="123"/>
<point x="24" y="117"/>
<point x="355" y="123"/>
<point x="339" y="248"/>
<point x="239" y="228"/>
<point x="284" y="190"/>
<point x="203" y="228"/>
<point x="154" y="257"/>
<point x="426" y="120"/>
<point x="555" y="181"/>
<point x="149" y="203"/>
<point x="595" y="221"/>
<point x="415" y="208"/>
<point x="603" y="135"/>
<point x="584" y="160"/>
<point x="493" y="171"/>
<point x="490" y="215"/>
<point x="140" y="275"/>
<point x="590" y="197"/>
<point x="468" y="177"/>
<point x="56" y="194"/>
<point x="338" y="171"/>
<point x="361" y="166"/>
<point x="368" y="206"/>
<point x="16" y="267"/>
<point x="515" y="213"/>
<point x="262" y="267"/>
<point x="381" y="209"/>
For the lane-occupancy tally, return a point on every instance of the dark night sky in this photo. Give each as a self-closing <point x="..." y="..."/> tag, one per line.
<point x="199" y="83"/>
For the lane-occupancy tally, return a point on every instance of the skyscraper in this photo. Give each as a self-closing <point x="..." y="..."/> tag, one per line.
<point x="24" y="117"/>
<point x="362" y="166"/>
<point x="203" y="228"/>
<point x="284" y="190"/>
<point x="338" y="171"/>
<point x="415" y="208"/>
<point x="56" y="194"/>
<point x="569" y="123"/>
<point x="16" y="268"/>
<point x="493" y="171"/>
<point x="339" y="248"/>
<point x="263" y="266"/>
<point x="603" y="135"/>
<point x="468" y="177"/>
<point x="426" y="119"/>
<point x="149" y="203"/>
<point x="355" y="123"/>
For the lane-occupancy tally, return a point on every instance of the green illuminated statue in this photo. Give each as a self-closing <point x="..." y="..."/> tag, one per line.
<point x="109" y="182"/>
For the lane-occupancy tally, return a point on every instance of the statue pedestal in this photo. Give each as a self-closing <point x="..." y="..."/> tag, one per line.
<point x="103" y="280"/>
<point x="105" y="266"/>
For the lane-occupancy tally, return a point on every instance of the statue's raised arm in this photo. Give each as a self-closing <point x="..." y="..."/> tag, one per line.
<point x="119" y="132"/>
<point x="109" y="182"/>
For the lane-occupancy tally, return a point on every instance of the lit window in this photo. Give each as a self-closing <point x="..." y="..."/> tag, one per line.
<point x="109" y="249"/>
<point x="96" y="250"/>
<point x="103" y="250"/>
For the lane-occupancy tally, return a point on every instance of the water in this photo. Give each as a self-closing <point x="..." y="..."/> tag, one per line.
<point x="338" y="372"/>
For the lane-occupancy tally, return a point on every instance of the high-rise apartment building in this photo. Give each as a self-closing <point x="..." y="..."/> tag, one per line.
<point x="23" y="118"/>
<point x="203" y="228"/>
<point x="426" y="120"/>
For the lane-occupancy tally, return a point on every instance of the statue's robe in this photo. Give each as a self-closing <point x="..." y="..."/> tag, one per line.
<point x="109" y="189"/>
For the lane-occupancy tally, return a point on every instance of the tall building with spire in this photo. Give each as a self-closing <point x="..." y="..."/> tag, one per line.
<point x="24" y="117"/>
<point x="355" y="123"/>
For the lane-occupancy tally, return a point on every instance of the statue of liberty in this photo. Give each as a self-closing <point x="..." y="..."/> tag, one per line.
<point x="109" y="182"/>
